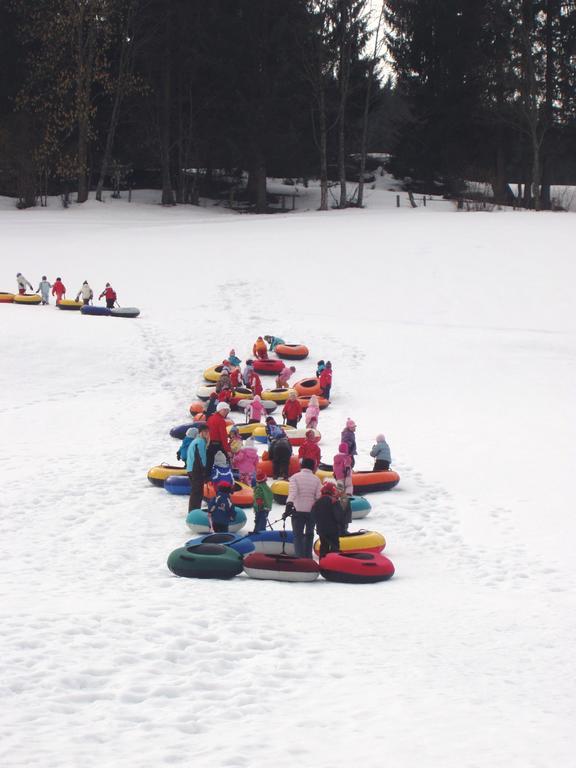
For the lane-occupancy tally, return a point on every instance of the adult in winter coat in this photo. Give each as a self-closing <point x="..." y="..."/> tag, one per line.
<point x="280" y="452"/>
<point x="326" y="513"/>
<point x="221" y="471"/>
<point x="246" y="461"/>
<point x="220" y="508"/>
<point x="292" y="410"/>
<point x="260" y="350"/>
<point x="343" y="467"/>
<point x="86" y="293"/>
<point x="312" y="413"/>
<point x="23" y="283"/>
<point x="273" y="342"/>
<point x="346" y="518"/>
<point x="110" y="295"/>
<point x="59" y="290"/>
<point x="310" y="450"/>
<point x="284" y="376"/>
<point x="263" y="499"/>
<point x="44" y="289"/>
<point x="191" y="434"/>
<point x="303" y="491"/>
<point x="381" y="453"/>
<point x="218" y="433"/>
<point x="247" y="372"/>
<point x="234" y="359"/>
<point x="348" y="435"/>
<point x="196" y="457"/>
<point x="256" y="410"/>
<point x="325" y="380"/>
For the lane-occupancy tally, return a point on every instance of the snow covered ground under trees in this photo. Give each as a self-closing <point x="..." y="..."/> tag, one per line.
<point x="452" y="333"/>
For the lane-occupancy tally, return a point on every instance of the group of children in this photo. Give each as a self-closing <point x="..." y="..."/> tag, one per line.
<point x="58" y="290"/>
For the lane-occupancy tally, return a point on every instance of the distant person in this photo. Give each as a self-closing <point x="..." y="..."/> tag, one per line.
<point x="59" y="290"/>
<point x="110" y="295"/>
<point x="256" y="410"/>
<point x="221" y="471"/>
<point x="320" y="365"/>
<point x="236" y="442"/>
<point x="246" y="461"/>
<point x="312" y="413"/>
<point x="234" y="359"/>
<point x="182" y="452"/>
<point x="273" y="342"/>
<point x="327" y="513"/>
<point x="218" y="433"/>
<point x="325" y="380"/>
<point x="284" y="376"/>
<point x="346" y="507"/>
<point x="260" y="350"/>
<point x="221" y="511"/>
<point x="381" y="453"/>
<point x="303" y="490"/>
<point x="310" y="449"/>
<point x="86" y="293"/>
<point x="255" y="384"/>
<point x="348" y="435"/>
<point x="23" y="284"/>
<point x="196" y="458"/>
<point x="263" y="499"/>
<point x="44" y="289"/>
<point x="343" y="467"/>
<point x="247" y="372"/>
<point x="280" y="452"/>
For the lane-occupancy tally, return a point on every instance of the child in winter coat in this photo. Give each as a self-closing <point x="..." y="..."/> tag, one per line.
<point x="221" y="472"/>
<point x="85" y="292"/>
<point x="23" y="283"/>
<point x="260" y="350"/>
<point x="255" y="383"/>
<point x="235" y="378"/>
<point x="59" y="290"/>
<point x="348" y="435"/>
<point x="325" y="380"/>
<point x="236" y="443"/>
<point x="247" y="372"/>
<point x="256" y="410"/>
<point x="220" y="509"/>
<point x="182" y="452"/>
<point x="312" y="413"/>
<point x="320" y="365"/>
<point x="310" y="449"/>
<point x="44" y="289"/>
<point x="246" y="461"/>
<point x="263" y="499"/>
<point x="273" y="342"/>
<point x="381" y="453"/>
<point x="292" y="410"/>
<point x="110" y="295"/>
<point x="234" y="359"/>
<point x="326" y="513"/>
<point x="284" y="377"/>
<point x="343" y="467"/>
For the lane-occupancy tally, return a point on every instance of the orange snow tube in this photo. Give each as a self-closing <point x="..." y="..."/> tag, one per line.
<point x="242" y="496"/>
<point x="292" y="351"/>
<point x="6" y="298"/>
<point x="370" y="482"/>
<point x="267" y="466"/>
<point x="304" y="401"/>
<point x="306" y="387"/>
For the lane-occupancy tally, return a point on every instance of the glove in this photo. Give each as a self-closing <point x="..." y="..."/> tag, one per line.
<point x="286" y="515"/>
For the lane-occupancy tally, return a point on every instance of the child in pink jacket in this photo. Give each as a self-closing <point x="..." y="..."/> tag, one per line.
<point x="343" y="467"/>
<point x="312" y="413"/>
<point x="246" y="461"/>
<point x="256" y="410"/>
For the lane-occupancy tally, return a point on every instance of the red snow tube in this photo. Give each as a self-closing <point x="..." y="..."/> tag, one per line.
<point x="306" y="387"/>
<point x="268" y="467"/>
<point x="292" y="351"/>
<point x="271" y="367"/>
<point x="370" y="482"/>
<point x="356" y="567"/>
<point x="280" y="567"/>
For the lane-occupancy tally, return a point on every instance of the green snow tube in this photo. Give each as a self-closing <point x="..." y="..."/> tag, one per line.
<point x="205" y="561"/>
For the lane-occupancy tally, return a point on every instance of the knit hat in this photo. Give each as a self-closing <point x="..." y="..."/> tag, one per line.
<point x="350" y="424"/>
<point x="222" y="407"/>
<point x="234" y="431"/>
<point x="192" y="432"/>
<point x="225" y="487"/>
<point x="343" y="447"/>
<point x="220" y="459"/>
<point x="260" y="476"/>
<point x="329" y="489"/>
<point x="380" y="438"/>
<point x="311" y="434"/>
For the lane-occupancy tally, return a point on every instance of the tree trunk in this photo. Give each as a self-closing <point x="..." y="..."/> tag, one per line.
<point x="363" y="145"/>
<point x="323" y="149"/>
<point x="84" y="84"/>
<point x="165" y="106"/>
<point x="257" y="183"/>
<point x="343" y="79"/>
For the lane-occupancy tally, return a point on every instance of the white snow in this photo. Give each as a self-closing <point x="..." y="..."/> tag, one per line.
<point x="453" y="333"/>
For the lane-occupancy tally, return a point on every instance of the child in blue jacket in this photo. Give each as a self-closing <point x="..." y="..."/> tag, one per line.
<point x="220" y="508"/>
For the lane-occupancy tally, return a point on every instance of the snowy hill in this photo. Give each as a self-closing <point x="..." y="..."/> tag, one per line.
<point x="452" y="333"/>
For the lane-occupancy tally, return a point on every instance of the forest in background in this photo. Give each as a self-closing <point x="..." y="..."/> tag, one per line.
<point x="188" y="95"/>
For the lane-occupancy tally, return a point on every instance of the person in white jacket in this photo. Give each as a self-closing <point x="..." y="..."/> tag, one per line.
<point x="86" y="292"/>
<point x="304" y="489"/>
<point x="44" y="289"/>
<point x="23" y="283"/>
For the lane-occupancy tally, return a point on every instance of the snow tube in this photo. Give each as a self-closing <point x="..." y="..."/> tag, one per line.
<point x="242" y="496"/>
<point x="6" y="298"/>
<point x="180" y="432"/>
<point x="197" y="520"/>
<point x="259" y="433"/>
<point x="279" y="490"/>
<point x="268" y="367"/>
<point x="358" y="541"/>
<point x="360" y="507"/>
<point x="356" y="567"/>
<point x="28" y="298"/>
<point x="88" y="310"/>
<point x="280" y="567"/>
<point x="270" y="542"/>
<point x="304" y="401"/>
<point x="70" y="304"/>
<point x="269" y="405"/>
<point x="308" y="387"/>
<point x="267" y="466"/>
<point x="159" y="474"/>
<point x="292" y="351"/>
<point x="214" y="372"/>
<point x="370" y="482"/>
<point x="278" y="396"/>
<point x="125" y="312"/>
<point x="205" y="390"/>
<point x="298" y="436"/>
<point x="245" y="429"/>
<point x="241" y="544"/>
<point x="196" y="407"/>
<point x="205" y="561"/>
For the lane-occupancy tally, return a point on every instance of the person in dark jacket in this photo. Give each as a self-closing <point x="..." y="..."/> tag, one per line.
<point x="348" y="436"/>
<point x="196" y="457"/>
<point x="220" y="508"/>
<point x="327" y="513"/>
<point x="281" y="453"/>
<point x="191" y="433"/>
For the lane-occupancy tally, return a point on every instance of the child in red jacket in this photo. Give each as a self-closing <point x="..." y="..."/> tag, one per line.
<point x="292" y="410"/>
<point x="58" y="290"/>
<point x="110" y="295"/>
<point x="310" y="449"/>
<point x="325" y="380"/>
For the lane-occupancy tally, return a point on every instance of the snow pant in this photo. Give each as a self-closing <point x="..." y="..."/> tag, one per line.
<point x="292" y="422"/>
<point x="110" y="303"/>
<point x="45" y="298"/>
<point x="380" y="464"/>
<point x="281" y="462"/>
<point x="303" y="529"/>
<point x="220" y="527"/>
<point x="345" y="518"/>
<point x="86" y="302"/>
<point x="21" y="291"/>
<point x="211" y="451"/>
<point x="196" y="486"/>
<point x="329" y="541"/>
<point x="326" y="391"/>
<point x="260" y="520"/>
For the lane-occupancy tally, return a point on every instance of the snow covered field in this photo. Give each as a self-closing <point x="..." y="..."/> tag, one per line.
<point x="453" y="333"/>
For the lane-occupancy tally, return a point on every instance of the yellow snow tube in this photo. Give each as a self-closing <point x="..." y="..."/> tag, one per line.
<point x="27" y="298"/>
<point x="213" y="373"/>
<point x="359" y="541"/>
<point x="157" y="475"/>
<point x="70" y="304"/>
<point x="276" y="395"/>
<point x="244" y="429"/>
<point x="6" y="298"/>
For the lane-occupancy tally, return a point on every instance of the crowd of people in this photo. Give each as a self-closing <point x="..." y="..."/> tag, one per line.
<point x="213" y="454"/>
<point x="58" y="290"/>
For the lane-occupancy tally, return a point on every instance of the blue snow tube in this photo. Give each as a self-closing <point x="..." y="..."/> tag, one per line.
<point x="241" y="544"/>
<point x="359" y="506"/>
<point x="180" y="432"/>
<point x="179" y="485"/>
<point x="88" y="310"/>
<point x="197" y="520"/>
<point x="271" y="542"/>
